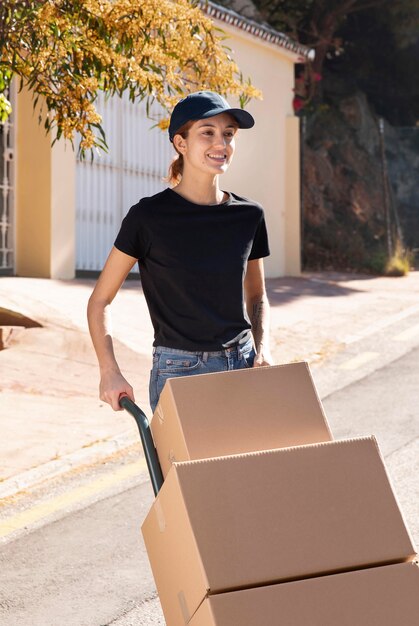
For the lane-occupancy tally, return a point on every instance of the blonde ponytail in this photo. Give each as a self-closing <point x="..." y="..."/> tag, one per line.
<point x="175" y="170"/>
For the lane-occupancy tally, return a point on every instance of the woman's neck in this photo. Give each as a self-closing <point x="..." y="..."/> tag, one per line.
<point x="200" y="192"/>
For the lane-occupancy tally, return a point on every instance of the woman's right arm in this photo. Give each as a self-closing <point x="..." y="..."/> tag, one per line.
<point x="115" y="271"/>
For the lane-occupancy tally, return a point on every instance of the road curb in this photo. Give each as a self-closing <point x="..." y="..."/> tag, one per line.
<point x="87" y="455"/>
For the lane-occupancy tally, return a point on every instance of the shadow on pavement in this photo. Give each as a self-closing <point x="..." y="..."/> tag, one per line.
<point x="282" y="290"/>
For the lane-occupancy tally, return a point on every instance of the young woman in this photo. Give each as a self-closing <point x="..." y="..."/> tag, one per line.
<point x="200" y="252"/>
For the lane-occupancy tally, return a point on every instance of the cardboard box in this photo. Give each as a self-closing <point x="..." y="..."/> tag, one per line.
<point x="242" y="521"/>
<point x="381" y="596"/>
<point x="234" y="412"/>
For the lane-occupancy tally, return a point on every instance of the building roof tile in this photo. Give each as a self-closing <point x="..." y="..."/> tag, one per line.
<point x="262" y="31"/>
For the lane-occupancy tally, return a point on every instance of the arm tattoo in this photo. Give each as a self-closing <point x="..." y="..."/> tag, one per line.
<point x="260" y="322"/>
<point x="257" y="312"/>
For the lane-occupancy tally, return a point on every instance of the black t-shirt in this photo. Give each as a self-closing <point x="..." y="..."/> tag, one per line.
<point x="192" y="261"/>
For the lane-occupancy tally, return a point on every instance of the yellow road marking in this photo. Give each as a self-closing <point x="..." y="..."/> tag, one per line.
<point x="359" y="360"/>
<point x="407" y="334"/>
<point x="44" y="509"/>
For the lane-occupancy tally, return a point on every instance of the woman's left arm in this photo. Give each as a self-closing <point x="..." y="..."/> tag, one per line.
<point x="258" y="310"/>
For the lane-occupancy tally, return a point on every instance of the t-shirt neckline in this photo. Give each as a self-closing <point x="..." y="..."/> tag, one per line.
<point x="183" y="199"/>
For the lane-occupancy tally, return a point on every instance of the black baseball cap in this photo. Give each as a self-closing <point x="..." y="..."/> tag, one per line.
<point x="203" y="104"/>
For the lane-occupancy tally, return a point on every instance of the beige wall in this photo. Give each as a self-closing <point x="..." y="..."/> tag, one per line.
<point x="45" y="199"/>
<point x="265" y="166"/>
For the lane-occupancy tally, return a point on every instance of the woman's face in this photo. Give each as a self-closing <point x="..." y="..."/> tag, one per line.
<point x="209" y="146"/>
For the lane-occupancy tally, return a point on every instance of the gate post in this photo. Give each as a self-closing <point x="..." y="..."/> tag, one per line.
<point x="45" y="199"/>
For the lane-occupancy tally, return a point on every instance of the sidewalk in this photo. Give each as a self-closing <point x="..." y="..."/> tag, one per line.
<point x="51" y="418"/>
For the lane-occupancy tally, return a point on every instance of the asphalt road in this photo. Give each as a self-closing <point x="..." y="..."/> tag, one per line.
<point x="84" y="564"/>
<point x="84" y="568"/>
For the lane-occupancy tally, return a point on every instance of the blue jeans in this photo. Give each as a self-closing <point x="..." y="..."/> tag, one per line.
<point x="169" y="363"/>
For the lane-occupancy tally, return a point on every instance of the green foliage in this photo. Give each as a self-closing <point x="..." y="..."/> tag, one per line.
<point x="66" y="51"/>
<point x="400" y="263"/>
<point x="5" y="108"/>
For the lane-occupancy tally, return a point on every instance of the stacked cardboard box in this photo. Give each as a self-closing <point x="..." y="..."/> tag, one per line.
<point x="214" y="415"/>
<point x="379" y="596"/>
<point x="263" y="518"/>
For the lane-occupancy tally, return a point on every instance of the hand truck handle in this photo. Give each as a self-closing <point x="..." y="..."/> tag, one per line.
<point x="150" y="453"/>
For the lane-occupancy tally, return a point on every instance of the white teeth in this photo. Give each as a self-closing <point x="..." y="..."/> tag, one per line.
<point x="217" y="156"/>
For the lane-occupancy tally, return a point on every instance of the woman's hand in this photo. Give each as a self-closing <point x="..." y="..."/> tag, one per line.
<point x="112" y="385"/>
<point x="262" y="358"/>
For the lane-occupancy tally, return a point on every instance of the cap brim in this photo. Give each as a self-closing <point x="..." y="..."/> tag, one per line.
<point x="243" y="118"/>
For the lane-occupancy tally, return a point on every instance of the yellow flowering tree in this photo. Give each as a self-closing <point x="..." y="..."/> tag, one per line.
<point x="66" y="51"/>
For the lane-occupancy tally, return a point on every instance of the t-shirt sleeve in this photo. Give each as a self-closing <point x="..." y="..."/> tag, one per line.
<point x="260" y="247"/>
<point x="131" y="238"/>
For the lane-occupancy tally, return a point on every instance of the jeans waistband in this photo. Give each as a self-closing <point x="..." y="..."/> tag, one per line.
<point x="240" y="348"/>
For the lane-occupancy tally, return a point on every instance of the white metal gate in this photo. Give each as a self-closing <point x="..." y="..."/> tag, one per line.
<point x="7" y="142"/>
<point x="106" y="188"/>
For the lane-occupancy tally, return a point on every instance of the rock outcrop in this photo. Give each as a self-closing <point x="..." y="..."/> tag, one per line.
<point x="348" y="204"/>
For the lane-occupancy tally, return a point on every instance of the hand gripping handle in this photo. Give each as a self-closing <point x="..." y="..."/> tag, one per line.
<point x="150" y="453"/>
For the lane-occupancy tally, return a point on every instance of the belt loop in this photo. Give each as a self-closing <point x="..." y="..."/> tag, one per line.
<point x="205" y="357"/>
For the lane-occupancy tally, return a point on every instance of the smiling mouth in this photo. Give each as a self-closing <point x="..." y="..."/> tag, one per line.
<point x="217" y="157"/>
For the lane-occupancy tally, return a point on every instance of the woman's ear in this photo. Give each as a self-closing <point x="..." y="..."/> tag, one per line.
<point x="179" y="143"/>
